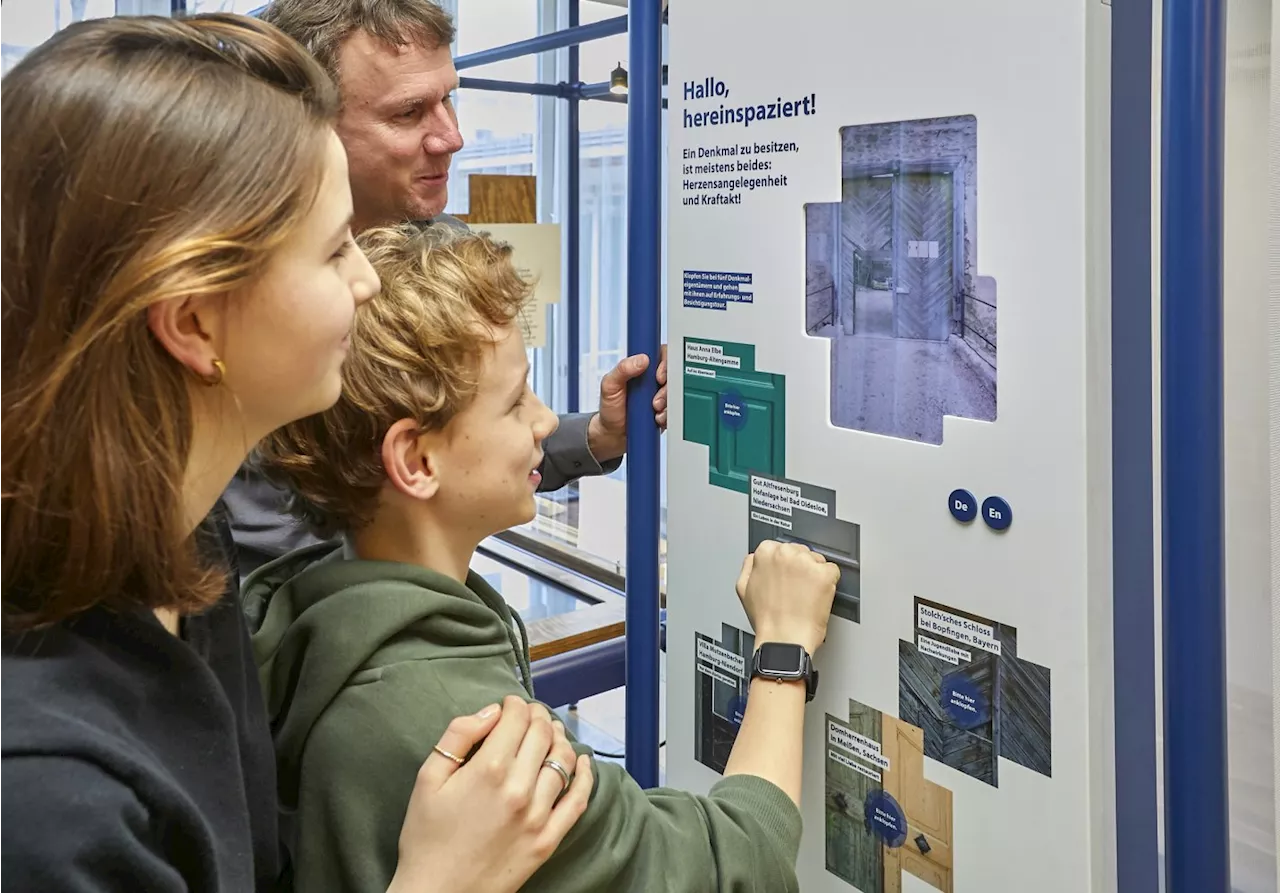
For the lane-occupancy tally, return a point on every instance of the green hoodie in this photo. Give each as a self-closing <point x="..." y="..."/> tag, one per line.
<point x="364" y="664"/>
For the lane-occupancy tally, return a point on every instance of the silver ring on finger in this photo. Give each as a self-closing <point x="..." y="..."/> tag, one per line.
<point x="565" y="778"/>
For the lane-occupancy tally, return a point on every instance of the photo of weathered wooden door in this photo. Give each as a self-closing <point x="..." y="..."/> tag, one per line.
<point x="924" y="255"/>
<point x="926" y="853"/>
<point x="854" y="851"/>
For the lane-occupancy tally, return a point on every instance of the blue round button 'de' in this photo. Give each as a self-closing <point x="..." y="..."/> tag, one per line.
<point x="885" y="818"/>
<point x="963" y="702"/>
<point x="733" y="410"/>
<point x="964" y="508"/>
<point x="996" y="512"/>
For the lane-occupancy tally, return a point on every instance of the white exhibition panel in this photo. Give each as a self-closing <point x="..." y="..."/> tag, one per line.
<point x="949" y="156"/>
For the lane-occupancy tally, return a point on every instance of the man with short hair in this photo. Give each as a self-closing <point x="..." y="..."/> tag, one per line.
<point x="392" y="63"/>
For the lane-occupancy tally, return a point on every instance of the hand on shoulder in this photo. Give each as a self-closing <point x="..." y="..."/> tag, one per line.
<point x="486" y="824"/>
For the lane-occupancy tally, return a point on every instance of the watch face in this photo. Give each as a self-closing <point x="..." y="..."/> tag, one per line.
<point x="776" y="657"/>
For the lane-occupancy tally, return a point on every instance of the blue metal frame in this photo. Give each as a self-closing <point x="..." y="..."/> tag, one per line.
<point x="572" y="232"/>
<point x="581" y="673"/>
<point x="584" y="672"/>
<point x="644" y="290"/>
<point x="560" y="91"/>
<point x="1133" y="534"/>
<point x="556" y="40"/>
<point x="1197" y="851"/>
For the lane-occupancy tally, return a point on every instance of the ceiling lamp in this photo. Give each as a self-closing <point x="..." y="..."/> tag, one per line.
<point x="618" y="81"/>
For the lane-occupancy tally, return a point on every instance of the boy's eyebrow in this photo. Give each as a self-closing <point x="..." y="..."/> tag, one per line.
<point x="518" y="388"/>
<point x="342" y="230"/>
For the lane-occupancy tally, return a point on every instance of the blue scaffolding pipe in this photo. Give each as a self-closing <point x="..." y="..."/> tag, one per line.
<point x="591" y="91"/>
<point x="1197" y="852"/>
<point x="572" y="230"/>
<point x="571" y="92"/>
<point x="644" y="290"/>
<point x="544" y="42"/>
<point x="560" y="91"/>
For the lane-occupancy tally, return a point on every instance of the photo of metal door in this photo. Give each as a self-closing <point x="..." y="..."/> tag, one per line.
<point x="924" y="255"/>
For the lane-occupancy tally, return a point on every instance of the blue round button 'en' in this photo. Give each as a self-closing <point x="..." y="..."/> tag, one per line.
<point x="996" y="512"/>
<point x="964" y="508"/>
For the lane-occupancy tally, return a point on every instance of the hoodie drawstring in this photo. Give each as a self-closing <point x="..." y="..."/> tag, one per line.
<point x="525" y="675"/>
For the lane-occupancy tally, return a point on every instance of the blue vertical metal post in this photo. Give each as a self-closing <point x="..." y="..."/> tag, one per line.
<point x="1133" y="489"/>
<point x="644" y="267"/>
<point x="1197" y="855"/>
<point x="573" y="231"/>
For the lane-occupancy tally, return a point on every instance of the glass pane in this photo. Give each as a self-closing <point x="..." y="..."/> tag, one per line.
<point x="1251" y="618"/>
<point x="28" y="23"/>
<point x="243" y="7"/>
<point x="497" y="128"/>
<point x="587" y="519"/>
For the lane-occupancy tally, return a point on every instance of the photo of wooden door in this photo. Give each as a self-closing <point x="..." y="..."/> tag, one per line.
<point x="855" y="852"/>
<point x="926" y="853"/>
<point x="924" y="256"/>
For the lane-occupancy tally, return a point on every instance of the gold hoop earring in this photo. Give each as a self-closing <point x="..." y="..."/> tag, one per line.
<point x="215" y="378"/>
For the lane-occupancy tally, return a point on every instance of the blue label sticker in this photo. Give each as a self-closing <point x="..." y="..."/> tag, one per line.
<point x="885" y="818"/>
<point x="737" y="710"/>
<point x="733" y="410"/>
<point x="996" y="512"/>
<point x="964" y="702"/>
<point x="964" y="508"/>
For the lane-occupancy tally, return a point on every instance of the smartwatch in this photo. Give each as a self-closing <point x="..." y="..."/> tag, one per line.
<point x="784" y="662"/>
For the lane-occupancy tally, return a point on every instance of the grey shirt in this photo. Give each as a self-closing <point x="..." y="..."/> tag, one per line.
<point x="264" y="530"/>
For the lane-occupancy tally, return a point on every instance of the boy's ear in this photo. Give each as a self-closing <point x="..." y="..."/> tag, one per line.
<point x="410" y="466"/>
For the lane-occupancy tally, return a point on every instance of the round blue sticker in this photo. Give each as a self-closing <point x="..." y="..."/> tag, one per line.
<point x="733" y="410"/>
<point x="964" y="508"/>
<point x="737" y="709"/>
<point x="996" y="512"/>
<point x="964" y="702"/>
<point x="885" y="818"/>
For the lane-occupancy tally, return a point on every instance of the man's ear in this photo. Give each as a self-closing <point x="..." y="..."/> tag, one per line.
<point x="183" y="327"/>
<point x="409" y="461"/>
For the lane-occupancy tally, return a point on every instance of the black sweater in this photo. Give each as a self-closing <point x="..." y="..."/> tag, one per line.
<point x="136" y="760"/>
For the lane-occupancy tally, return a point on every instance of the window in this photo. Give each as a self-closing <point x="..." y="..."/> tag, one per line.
<point x="518" y="133"/>
<point x="503" y="133"/>
<point x="243" y="7"/>
<point x="28" y="23"/>
<point x="498" y="129"/>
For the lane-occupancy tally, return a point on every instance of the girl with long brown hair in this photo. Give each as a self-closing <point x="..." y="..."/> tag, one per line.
<point x="179" y="280"/>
